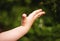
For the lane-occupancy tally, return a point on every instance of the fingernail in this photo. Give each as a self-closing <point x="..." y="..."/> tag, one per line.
<point x="43" y="12"/>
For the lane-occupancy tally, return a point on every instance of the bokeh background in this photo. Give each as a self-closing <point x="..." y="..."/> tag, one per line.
<point x="45" y="28"/>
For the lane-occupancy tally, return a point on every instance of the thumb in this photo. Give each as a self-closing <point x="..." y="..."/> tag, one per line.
<point x="24" y="19"/>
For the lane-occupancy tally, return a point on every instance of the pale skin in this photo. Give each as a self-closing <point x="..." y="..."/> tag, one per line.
<point x="18" y="32"/>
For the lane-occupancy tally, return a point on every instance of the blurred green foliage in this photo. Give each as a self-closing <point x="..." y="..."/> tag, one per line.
<point x="46" y="28"/>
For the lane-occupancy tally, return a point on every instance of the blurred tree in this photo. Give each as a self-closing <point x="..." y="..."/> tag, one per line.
<point x="46" y="28"/>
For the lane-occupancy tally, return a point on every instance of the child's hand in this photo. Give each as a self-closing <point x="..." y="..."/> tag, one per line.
<point x="21" y="30"/>
<point x="28" y="20"/>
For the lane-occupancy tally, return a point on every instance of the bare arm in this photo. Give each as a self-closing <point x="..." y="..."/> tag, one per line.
<point x="18" y="32"/>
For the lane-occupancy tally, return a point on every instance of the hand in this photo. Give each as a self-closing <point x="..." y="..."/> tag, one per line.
<point x="20" y="31"/>
<point x="28" y="20"/>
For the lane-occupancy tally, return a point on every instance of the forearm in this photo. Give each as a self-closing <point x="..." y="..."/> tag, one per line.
<point x="18" y="32"/>
<point x="14" y="34"/>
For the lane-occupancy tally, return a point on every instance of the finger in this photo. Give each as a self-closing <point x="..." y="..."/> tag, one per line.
<point x="35" y="12"/>
<point x="23" y="18"/>
<point x="39" y="14"/>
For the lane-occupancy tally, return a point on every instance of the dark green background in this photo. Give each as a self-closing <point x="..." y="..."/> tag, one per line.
<point x="45" y="28"/>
